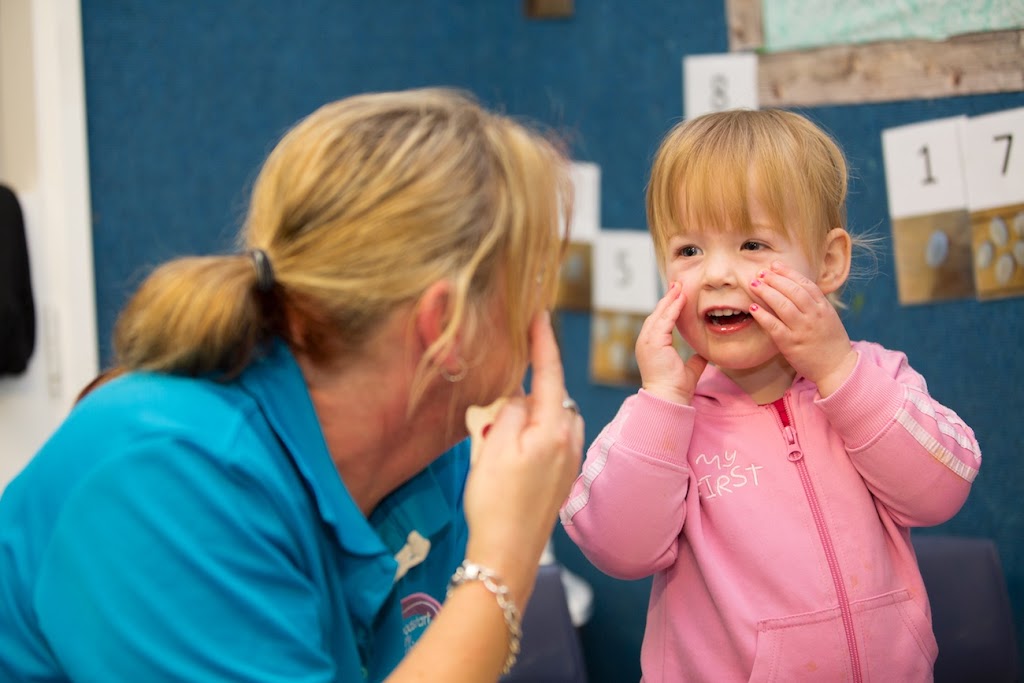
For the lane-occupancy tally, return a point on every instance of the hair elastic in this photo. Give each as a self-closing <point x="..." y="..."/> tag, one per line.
<point x="264" y="271"/>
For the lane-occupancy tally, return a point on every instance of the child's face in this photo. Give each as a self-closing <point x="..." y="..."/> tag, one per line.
<point x="715" y="267"/>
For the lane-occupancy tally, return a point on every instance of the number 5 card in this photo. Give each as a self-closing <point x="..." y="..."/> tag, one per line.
<point x="931" y="230"/>
<point x="626" y="290"/>
<point x="625" y="272"/>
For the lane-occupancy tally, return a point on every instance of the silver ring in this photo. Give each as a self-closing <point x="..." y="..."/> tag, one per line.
<point x="570" y="404"/>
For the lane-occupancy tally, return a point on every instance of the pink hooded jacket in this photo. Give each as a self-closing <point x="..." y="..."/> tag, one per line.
<point x="778" y="535"/>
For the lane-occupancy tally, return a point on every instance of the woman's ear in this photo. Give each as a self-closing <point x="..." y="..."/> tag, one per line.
<point x="835" y="263"/>
<point x="431" y="317"/>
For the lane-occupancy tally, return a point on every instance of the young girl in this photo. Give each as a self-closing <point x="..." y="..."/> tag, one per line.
<point x="769" y="482"/>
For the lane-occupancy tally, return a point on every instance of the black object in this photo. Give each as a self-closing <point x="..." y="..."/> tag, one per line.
<point x="17" y="310"/>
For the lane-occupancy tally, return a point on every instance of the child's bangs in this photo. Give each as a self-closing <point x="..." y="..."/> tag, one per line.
<point x="712" y="195"/>
<point x="779" y="187"/>
<point x="717" y="184"/>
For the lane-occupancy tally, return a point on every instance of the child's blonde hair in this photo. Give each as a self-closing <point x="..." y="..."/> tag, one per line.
<point x="707" y="168"/>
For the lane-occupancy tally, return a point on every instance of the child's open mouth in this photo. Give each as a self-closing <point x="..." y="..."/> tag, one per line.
<point x="726" y="317"/>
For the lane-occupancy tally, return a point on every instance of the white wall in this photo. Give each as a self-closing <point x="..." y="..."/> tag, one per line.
<point x="44" y="159"/>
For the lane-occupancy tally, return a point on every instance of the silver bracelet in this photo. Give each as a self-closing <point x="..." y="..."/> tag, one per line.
<point x="470" y="571"/>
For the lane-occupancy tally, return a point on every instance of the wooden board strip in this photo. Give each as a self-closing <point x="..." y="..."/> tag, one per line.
<point x="745" y="24"/>
<point x="971" y="64"/>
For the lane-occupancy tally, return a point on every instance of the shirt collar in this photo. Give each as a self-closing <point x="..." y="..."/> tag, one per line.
<point x="276" y="383"/>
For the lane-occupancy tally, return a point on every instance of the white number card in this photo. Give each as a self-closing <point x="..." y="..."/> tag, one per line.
<point x="625" y="272"/>
<point x="924" y="168"/>
<point x="718" y="82"/>
<point x="994" y="156"/>
<point x="586" y="210"/>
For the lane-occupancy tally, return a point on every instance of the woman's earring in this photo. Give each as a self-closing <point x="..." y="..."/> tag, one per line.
<point x="458" y="375"/>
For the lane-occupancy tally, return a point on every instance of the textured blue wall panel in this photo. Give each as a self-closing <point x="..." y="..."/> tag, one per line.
<point x="185" y="99"/>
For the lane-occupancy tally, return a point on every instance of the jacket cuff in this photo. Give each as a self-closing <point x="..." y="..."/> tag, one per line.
<point x="864" y="405"/>
<point x="658" y="428"/>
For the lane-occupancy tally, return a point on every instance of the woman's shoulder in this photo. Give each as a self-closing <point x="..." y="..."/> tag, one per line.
<point x="145" y="436"/>
<point x="144" y="416"/>
<point x="166" y="403"/>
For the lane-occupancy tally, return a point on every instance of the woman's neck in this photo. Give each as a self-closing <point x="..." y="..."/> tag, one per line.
<point x="362" y="407"/>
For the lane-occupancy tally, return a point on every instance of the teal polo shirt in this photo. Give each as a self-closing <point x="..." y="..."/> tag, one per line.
<point x="177" y="529"/>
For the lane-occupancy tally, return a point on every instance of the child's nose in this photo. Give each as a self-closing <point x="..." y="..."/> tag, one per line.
<point x="720" y="271"/>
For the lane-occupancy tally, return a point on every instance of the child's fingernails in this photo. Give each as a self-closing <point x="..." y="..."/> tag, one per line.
<point x="754" y="307"/>
<point x="761" y="274"/>
<point x="755" y="283"/>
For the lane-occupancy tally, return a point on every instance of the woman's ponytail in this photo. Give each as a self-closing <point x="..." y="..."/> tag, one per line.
<point x="195" y="316"/>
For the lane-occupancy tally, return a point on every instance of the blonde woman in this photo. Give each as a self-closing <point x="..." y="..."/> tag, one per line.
<point x="275" y="484"/>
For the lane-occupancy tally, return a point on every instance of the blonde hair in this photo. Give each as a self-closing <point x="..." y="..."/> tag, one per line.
<point x="360" y="207"/>
<point x="707" y="168"/>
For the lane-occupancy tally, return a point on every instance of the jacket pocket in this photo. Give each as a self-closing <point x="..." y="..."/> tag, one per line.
<point x="895" y="638"/>
<point x="894" y="643"/>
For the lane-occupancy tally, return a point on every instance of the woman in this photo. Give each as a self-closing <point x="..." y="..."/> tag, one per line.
<point x="276" y="487"/>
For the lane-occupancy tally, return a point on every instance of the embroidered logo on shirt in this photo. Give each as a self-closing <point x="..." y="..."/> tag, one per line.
<point x="418" y="610"/>
<point x="723" y="474"/>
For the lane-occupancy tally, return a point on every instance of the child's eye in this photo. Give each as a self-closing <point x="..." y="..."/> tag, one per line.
<point x="688" y="251"/>
<point x="752" y="245"/>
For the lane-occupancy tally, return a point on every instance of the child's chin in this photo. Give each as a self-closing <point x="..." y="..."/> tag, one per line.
<point x="745" y="363"/>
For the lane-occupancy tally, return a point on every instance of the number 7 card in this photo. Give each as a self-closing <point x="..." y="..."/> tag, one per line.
<point x="994" y="160"/>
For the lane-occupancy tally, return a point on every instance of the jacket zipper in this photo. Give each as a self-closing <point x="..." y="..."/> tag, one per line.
<point x="795" y="455"/>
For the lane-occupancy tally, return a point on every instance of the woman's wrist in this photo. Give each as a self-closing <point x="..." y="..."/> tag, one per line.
<point x="469" y="572"/>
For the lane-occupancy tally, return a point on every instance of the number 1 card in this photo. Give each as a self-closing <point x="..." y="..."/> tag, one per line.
<point x="924" y="167"/>
<point x="931" y="230"/>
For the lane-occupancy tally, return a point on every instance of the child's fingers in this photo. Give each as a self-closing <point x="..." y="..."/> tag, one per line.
<point x="795" y="285"/>
<point x="769" y="301"/>
<point x="767" y="320"/>
<point x="669" y="305"/>
<point x="665" y="314"/>
<point x="781" y="295"/>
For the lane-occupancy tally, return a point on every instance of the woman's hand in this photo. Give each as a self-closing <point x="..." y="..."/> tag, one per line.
<point x="526" y="466"/>
<point x="805" y="326"/>
<point x="662" y="370"/>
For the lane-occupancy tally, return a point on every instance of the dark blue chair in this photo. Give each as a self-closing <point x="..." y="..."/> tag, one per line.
<point x="971" y="612"/>
<point x="551" y="650"/>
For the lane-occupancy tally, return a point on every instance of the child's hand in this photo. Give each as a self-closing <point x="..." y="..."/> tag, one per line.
<point x="662" y="370"/>
<point x="804" y="326"/>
